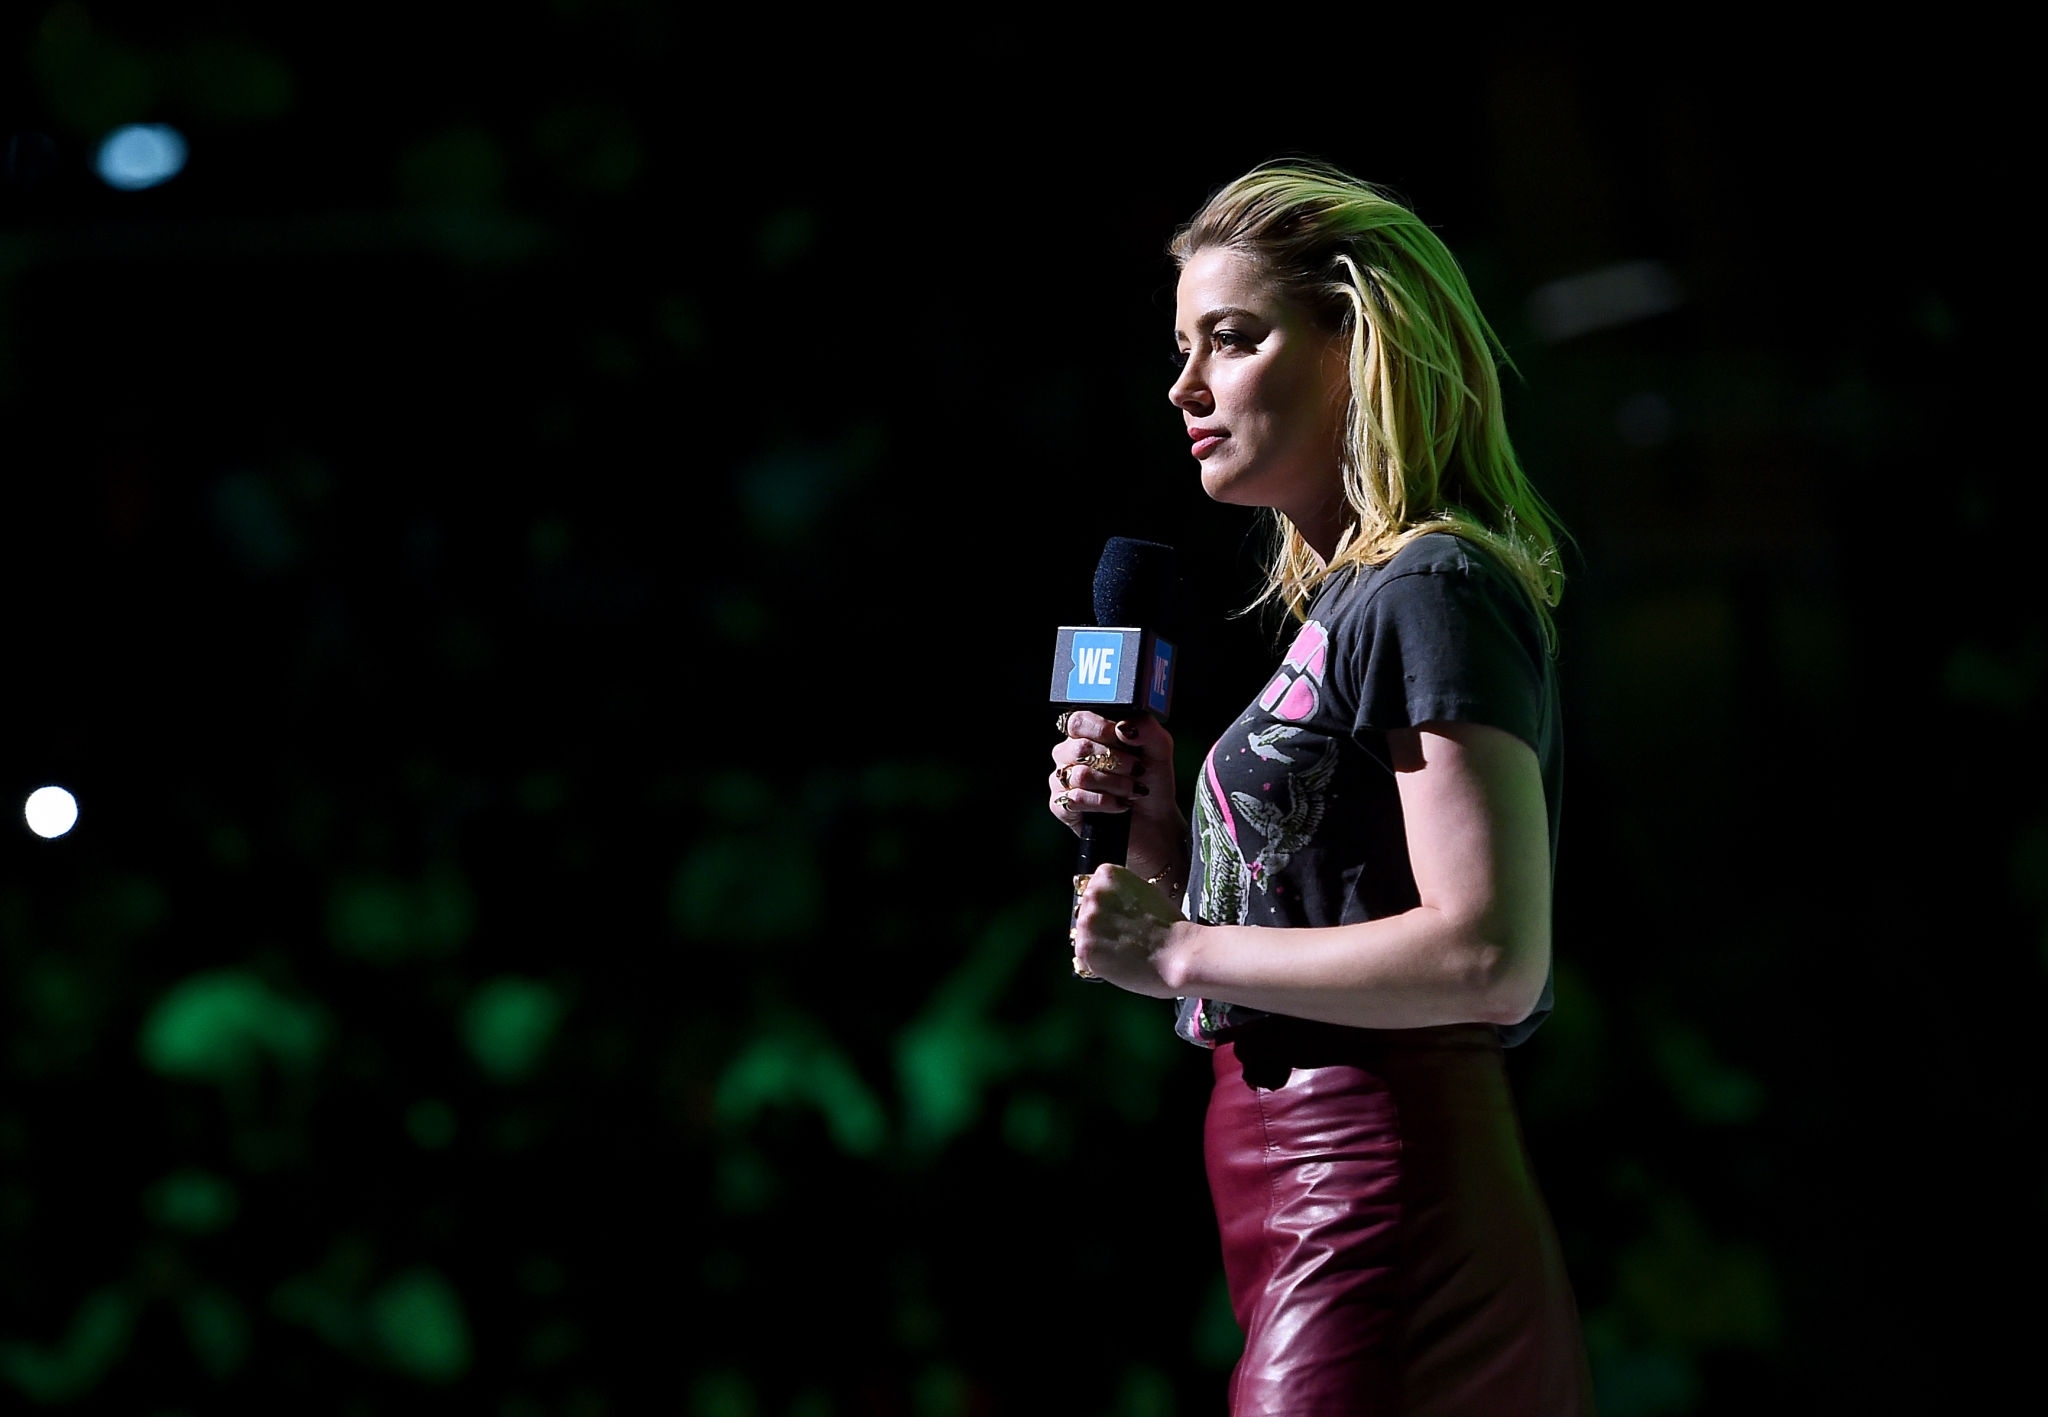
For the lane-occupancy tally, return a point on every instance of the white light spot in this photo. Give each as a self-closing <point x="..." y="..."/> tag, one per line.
<point x="1612" y="295"/>
<point x="51" y="811"/>
<point x="141" y="155"/>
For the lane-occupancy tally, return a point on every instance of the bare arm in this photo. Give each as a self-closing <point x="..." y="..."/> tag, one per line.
<point x="1476" y="949"/>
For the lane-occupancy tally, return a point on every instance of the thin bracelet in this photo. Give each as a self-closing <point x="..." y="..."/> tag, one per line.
<point x="1160" y="882"/>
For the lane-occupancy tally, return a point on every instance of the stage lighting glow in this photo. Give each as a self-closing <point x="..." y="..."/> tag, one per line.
<point x="51" y="811"/>
<point x="141" y="155"/>
<point x="1613" y="295"/>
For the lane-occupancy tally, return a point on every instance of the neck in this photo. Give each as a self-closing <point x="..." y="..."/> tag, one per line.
<point x="1322" y="529"/>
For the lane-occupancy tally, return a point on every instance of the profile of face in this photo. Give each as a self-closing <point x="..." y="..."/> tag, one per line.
<point x="1263" y="389"/>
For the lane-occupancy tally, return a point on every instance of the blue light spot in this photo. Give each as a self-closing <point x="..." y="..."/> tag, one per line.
<point x="141" y="155"/>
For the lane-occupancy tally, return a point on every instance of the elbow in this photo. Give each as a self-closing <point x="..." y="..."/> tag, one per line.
<point x="1509" y="1006"/>
<point x="1509" y="976"/>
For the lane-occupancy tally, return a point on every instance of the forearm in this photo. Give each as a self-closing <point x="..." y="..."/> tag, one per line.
<point x="1414" y="970"/>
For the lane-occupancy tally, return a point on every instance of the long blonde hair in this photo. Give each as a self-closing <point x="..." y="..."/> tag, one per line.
<point x="1426" y="447"/>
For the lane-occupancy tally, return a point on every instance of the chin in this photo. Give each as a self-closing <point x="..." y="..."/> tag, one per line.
<point x="1221" y="486"/>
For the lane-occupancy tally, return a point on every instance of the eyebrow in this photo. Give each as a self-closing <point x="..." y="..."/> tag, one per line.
<point x="1209" y="318"/>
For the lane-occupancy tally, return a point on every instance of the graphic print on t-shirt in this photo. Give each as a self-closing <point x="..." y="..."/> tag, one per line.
<point x="1297" y="814"/>
<point x="1297" y="686"/>
<point x="1290" y="797"/>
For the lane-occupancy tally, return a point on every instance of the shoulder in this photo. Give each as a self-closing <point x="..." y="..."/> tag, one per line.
<point x="1442" y="632"/>
<point x="1441" y="553"/>
<point x="1434" y="566"/>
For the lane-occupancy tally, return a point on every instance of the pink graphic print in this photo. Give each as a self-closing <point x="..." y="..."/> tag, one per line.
<point x="1298" y="686"/>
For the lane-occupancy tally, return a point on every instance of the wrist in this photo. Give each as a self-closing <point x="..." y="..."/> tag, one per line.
<point x="1171" y="881"/>
<point x="1175" y="960"/>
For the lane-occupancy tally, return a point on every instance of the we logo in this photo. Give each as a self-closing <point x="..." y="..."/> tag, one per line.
<point x="1093" y="678"/>
<point x="1161" y="697"/>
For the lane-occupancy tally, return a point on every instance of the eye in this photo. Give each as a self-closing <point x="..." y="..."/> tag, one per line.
<point x="1179" y="358"/>
<point x="1227" y="339"/>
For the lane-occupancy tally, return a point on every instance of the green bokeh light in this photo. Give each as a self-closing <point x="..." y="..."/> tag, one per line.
<point x="193" y="1201"/>
<point x="722" y="891"/>
<point x="73" y="1365"/>
<point x="953" y="1050"/>
<point x="417" y="1321"/>
<point x="793" y="1063"/>
<point x="508" y="1024"/>
<point x="431" y="1123"/>
<point x="723" y="1394"/>
<point x="219" y="1026"/>
<point x="1708" y="1089"/>
<point x="385" y="920"/>
<point x="217" y="1328"/>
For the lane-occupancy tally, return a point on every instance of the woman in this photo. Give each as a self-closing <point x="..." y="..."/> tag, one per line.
<point x="1367" y="876"/>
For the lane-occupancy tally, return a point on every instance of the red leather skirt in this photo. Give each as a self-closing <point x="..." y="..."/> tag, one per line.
<point x="1385" y="1243"/>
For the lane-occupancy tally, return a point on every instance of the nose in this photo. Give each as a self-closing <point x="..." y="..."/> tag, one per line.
<point x="1188" y="392"/>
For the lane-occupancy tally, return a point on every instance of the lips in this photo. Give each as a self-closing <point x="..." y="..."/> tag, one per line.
<point x="1206" y="440"/>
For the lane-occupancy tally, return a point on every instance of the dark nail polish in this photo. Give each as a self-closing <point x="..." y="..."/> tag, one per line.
<point x="1139" y="789"/>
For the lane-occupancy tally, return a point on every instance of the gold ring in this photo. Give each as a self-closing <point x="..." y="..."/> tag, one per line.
<point x="1061" y="722"/>
<point x="1062" y="774"/>
<point x="1081" y="882"/>
<point x="1105" y="762"/>
<point x="1063" y="802"/>
<point x="1082" y="971"/>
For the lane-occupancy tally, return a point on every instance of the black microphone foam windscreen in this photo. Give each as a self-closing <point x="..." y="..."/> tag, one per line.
<point x="1134" y="583"/>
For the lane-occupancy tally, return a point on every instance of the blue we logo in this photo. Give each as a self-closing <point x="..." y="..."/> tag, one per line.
<point x="1093" y="677"/>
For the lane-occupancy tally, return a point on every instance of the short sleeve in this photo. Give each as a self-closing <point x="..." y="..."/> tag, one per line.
<point x="1446" y="636"/>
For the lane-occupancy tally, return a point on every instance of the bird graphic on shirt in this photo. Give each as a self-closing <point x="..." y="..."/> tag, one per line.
<point x="1262" y="742"/>
<point x="1287" y="832"/>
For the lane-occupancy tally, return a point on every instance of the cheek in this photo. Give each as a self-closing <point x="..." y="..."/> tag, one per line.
<point x="1273" y="402"/>
<point x="1314" y="415"/>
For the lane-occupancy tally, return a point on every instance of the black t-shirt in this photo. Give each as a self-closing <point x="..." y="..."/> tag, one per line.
<point x="1297" y="817"/>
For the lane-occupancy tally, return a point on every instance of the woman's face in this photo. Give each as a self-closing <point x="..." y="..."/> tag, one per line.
<point x="1263" y="391"/>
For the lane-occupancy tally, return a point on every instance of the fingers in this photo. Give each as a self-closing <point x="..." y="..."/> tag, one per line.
<point x="1102" y="764"/>
<point x="1119" y="921"/>
<point x="1063" y="805"/>
<point x="1140" y="734"/>
<point x="1097" y="779"/>
<point x="1085" y="724"/>
<point x="1094" y="892"/>
<point x="1073" y="758"/>
<point x="1080" y="937"/>
<point x="1077" y="789"/>
<point x="1145" y="734"/>
<point x="1089" y="778"/>
<point x="1098" y="745"/>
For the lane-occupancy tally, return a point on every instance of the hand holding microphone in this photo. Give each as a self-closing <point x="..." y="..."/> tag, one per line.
<point x="1105" y="769"/>
<point x="1120" y="773"/>
<point x="1113" y="781"/>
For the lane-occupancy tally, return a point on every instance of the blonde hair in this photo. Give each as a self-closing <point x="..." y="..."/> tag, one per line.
<point x="1426" y="447"/>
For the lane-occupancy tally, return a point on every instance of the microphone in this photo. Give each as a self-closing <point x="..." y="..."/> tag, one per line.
<point x="1124" y="664"/>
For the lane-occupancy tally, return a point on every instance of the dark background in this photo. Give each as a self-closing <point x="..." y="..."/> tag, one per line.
<point x="537" y="553"/>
